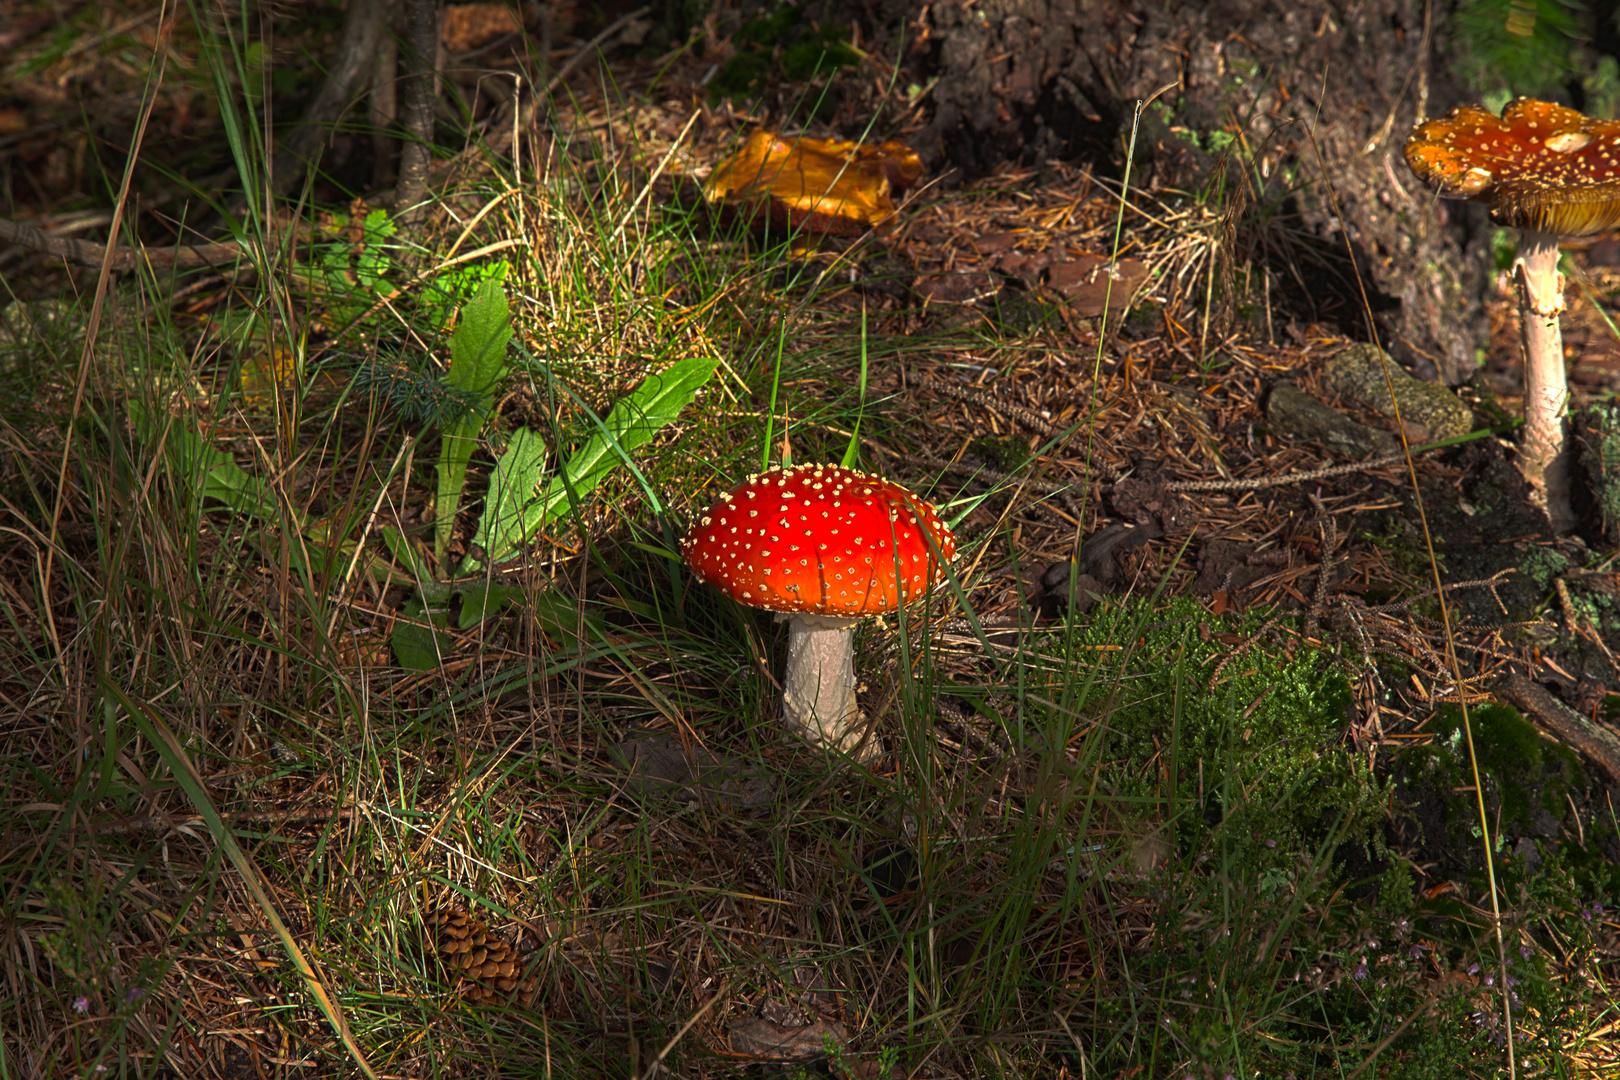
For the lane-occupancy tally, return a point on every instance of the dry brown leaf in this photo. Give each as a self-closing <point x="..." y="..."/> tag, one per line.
<point x="761" y="1038"/>
<point x="1084" y="283"/>
<point x="468" y="26"/>
<point x="821" y="186"/>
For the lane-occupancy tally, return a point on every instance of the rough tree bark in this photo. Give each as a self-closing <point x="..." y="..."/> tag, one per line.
<point x="1024" y="80"/>
<point x="364" y="25"/>
<point x="418" y="91"/>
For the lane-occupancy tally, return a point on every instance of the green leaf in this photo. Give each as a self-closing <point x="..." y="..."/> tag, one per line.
<point x="482" y="600"/>
<point x="634" y="421"/>
<point x="373" y="265"/>
<point x="477" y="362"/>
<point x="399" y="546"/>
<point x="231" y="485"/>
<point x="417" y="641"/>
<point x="478" y="347"/>
<point x="415" y="647"/>
<point x="515" y="485"/>
<point x="210" y="473"/>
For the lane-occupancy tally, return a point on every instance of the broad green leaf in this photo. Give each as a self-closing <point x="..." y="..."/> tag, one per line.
<point x="414" y="646"/>
<point x="560" y="617"/>
<point x="417" y="641"/>
<point x="227" y="482"/>
<point x="211" y="474"/>
<point x="478" y="347"/>
<point x="442" y="292"/>
<point x="373" y="264"/>
<point x="401" y="548"/>
<point x="517" y="481"/>
<point x="477" y="362"/>
<point x="481" y="600"/>
<point x="634" y="421"/>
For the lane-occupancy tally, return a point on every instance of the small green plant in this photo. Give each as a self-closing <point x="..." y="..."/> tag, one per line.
<point x="477" y="365"/>
<point x="524" y="494"/>
<point x="345" y="275"/>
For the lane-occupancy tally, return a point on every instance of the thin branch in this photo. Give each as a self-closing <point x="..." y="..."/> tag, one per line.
<point x="89" y="253"/>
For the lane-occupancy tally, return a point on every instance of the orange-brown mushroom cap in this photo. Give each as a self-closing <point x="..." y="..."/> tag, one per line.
<point x="820" y="539"/>
<point x="1539" y="166"/>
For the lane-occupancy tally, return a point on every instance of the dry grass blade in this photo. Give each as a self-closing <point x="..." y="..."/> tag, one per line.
<point x="1452" y="659"/>
<point x="179" y="762"/>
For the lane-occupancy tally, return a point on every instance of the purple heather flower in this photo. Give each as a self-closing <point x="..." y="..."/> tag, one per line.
<point x="133" y="994"/>
<point x="1473" y="969"/>
<point x="81" y="1004"/>
<point x="1361" y="970"/>
<point x="1526" y="952"/>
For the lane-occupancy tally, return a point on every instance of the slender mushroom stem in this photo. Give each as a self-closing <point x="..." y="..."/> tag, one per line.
<point x="818" y="688"/>
<point x="1542" y="459"/>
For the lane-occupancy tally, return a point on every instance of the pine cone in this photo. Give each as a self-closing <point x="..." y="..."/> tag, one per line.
<point x="492" y="968"/>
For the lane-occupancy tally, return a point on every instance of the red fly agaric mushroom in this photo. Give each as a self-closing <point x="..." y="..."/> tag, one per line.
<point x="822" y="546"/>
<point x="1547" y="171"/>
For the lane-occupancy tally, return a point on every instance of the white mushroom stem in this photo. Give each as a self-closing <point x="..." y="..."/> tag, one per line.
<point x="1542" y="456"/>
<point x="818" y="689"/>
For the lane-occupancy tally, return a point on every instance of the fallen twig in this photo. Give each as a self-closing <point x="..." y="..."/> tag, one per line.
<point x="90" y="253"/>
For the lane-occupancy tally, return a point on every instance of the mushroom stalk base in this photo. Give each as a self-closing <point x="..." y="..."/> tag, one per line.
<point x="818" y="689"/>
<point x="1542" y="456"/>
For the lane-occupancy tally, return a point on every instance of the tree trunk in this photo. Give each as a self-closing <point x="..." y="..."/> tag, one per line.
<point x="363" y="27"/>
<point x="1025" y="80"/>
<point x="419" y="91"/>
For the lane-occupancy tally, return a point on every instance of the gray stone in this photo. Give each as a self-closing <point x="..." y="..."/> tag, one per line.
<point x="1292" y="411"/>
<point x="1432" y="412"/>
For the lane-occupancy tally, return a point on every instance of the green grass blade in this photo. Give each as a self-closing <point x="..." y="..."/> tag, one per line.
<point x="179" y="763"/>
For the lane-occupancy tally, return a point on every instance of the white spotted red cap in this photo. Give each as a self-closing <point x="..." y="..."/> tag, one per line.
<point x="820" y="539"/>
<point x="1540" y="165"/>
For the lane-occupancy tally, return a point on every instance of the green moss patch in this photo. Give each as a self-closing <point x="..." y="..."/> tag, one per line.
<point x="1243" y="742"/>
<point x="1531" y="785"/>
